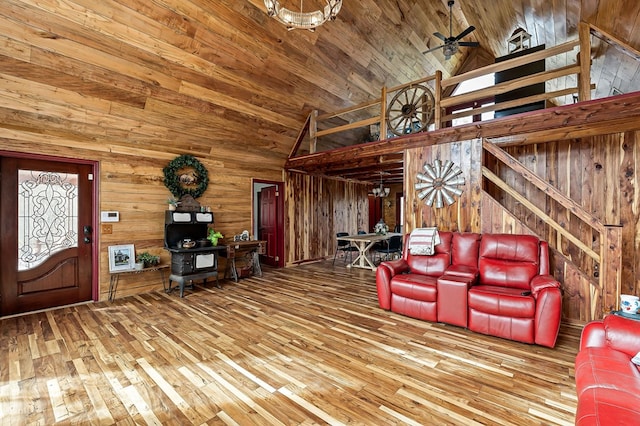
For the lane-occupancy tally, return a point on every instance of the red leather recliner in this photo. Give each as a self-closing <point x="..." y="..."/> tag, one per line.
<point x="515" y="297"/>
<point x="413" y="294"/>
<point x="607" y="382"/>
<point x="497" y="284"/>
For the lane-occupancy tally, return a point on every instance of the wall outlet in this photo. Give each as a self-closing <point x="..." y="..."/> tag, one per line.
<point x="107" y="228"/>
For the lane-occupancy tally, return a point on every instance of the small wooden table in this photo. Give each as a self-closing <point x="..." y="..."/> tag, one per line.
<point x="621" y="313"/>
<point x="115" y="276"/>
<point x="364" y="242"/>
<point x="250" y="249"/>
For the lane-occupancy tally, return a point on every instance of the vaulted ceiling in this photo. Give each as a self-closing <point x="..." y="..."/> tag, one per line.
<point x="404" y="29"/>
<point x="222" y="74"/>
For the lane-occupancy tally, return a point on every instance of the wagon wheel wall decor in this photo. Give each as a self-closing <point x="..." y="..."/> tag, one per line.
<point x="410" y="110"/>
<point x="439" y="183"/>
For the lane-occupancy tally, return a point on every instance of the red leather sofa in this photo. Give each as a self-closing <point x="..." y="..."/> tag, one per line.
<point x="496" y="284"/>
<point x="607" y="382"/>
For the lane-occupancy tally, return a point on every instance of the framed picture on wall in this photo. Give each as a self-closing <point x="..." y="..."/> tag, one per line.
<point x="121" y="258"/>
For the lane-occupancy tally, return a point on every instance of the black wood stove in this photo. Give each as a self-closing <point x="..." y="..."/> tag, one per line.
<point x="192" y="255"/>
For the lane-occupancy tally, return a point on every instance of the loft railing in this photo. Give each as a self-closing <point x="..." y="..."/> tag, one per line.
<point x="607" y="257"/>
<point x="375" y="112"/>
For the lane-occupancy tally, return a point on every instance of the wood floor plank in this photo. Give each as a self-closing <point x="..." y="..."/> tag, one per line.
<point x="305" y="345"/>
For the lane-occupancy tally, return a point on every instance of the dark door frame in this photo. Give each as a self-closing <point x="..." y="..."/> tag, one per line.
<point x="280" y="232"/>
<point x="399" y="216"/>
<point x="95" y="259"/>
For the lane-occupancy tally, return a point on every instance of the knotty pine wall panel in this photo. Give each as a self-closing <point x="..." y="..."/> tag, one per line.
<point x="317" y="209"/>
<point x="599" y="173"/>
<point x="577" y="287"/>
<point x="464" y="214"/>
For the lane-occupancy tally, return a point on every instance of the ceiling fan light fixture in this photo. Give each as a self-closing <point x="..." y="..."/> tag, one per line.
<point x="449" y="50"/>
<point x="303" y="20"/>
<point x="451" y="43"/>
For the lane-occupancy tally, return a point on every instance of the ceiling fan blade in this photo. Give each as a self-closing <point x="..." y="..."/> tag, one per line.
<point x="440" y="36"/>
<point x="465" y="32"/>
<point x="468" y="43"/>
<point x="433" y="49"/>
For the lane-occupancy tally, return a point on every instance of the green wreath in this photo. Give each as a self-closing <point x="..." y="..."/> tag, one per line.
<point x="186" y="182"/>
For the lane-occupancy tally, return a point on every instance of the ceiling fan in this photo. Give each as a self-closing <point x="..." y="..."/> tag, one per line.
<point x="452" y="43"/>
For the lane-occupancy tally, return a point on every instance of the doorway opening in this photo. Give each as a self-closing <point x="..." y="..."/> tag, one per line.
<point x="268" y="219"/>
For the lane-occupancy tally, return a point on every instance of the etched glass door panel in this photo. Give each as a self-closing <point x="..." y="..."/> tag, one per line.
<point x="46" y="240"/>
<point x="47" y="215"/>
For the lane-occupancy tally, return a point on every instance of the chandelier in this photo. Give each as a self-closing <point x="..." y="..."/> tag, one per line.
<point x="303" y="20"/>
<point x="381" y="191"/>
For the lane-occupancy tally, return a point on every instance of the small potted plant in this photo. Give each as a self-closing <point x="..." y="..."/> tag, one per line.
<point x="173" y="203"/>
<point x="213" y="236"/>
<point x="148" y="259"/>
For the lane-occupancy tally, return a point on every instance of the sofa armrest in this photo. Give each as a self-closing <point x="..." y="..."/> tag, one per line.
<point x="470" y="272"/>
<point x="593" y="335"/>
<point x="548" y="314"/>
<point x="396" y="267"/>
<point x="616" y="332"/>
<point x="540" y="282"/>
<point x="384" y="273"/>
<point x="622" y="334"/>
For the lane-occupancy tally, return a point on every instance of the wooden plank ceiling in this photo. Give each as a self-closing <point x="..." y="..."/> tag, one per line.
<point x="193" y="74"/>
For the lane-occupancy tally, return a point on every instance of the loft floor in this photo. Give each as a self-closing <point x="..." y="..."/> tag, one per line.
<point x="304" y="345"/>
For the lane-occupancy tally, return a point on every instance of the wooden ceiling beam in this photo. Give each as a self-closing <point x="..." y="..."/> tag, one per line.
<point x="361" y="163"/>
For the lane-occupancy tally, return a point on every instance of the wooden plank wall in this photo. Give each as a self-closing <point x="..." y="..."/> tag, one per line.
<point x="133" y="185"/>
<point x="317" y="209"/>
<point x="464" y="214"/>
<point x="105" y="82"/>
<point x="598" y="172"/>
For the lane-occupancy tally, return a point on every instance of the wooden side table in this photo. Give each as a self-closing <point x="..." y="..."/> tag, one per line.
<point x="115" y="276"/>
<point x="623" y="314"/>
<point x="250" y="249"/>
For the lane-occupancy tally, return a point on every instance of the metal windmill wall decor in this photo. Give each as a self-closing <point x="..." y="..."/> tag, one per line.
<point x="439" y="183"/>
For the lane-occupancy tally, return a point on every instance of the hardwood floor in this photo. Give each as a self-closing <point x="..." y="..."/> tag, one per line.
<point x="305" y="345"/>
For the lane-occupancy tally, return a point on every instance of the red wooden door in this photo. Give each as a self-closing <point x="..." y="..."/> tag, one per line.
<point x="375" y="211"/>
<point x="268" y="225"/>
<point x="45" y="234"/>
